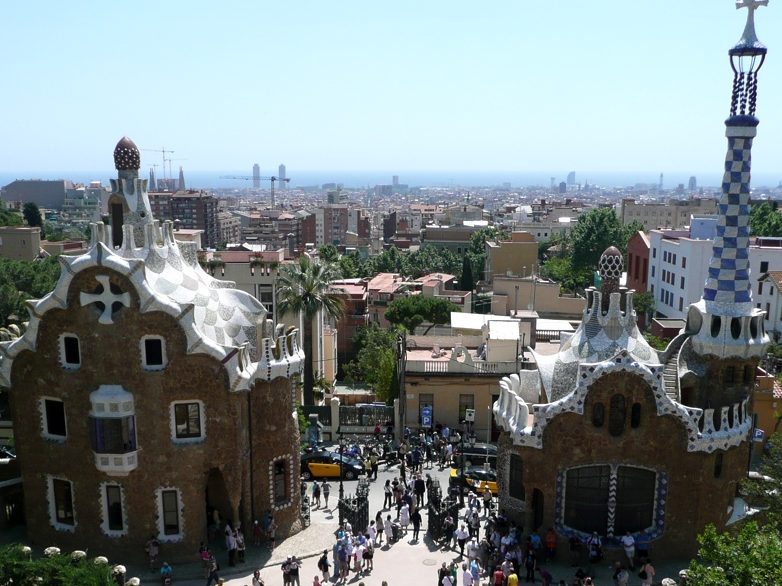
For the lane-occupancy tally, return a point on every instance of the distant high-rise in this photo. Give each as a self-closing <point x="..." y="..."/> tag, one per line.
<point x="395" y="180"/>
<point x="282" y="176"/>
<point x="181" y="179"/>
<point x="152" y="182"/>
<point x="693" y="183"/>
<point x="571" y="178"/>
<point x="553" y="183"/>
<point x="256" y="176"/>
<point x="660" y="185"/>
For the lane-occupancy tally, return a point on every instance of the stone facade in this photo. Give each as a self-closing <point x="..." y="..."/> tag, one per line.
<point x="147" y="395"/>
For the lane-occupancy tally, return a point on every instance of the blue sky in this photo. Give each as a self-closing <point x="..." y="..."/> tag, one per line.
<point x="402" y="85"/>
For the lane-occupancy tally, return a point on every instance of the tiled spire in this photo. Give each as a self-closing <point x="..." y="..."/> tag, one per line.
<point x="728" y="290"/>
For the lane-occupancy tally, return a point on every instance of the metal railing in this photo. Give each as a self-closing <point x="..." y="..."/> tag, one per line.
<point x="365" y="415"/>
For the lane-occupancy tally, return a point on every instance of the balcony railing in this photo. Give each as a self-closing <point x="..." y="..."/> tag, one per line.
<point x="456" y="367"/>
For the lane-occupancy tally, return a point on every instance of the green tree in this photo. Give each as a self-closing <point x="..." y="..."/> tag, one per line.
<point x="477" y="250"/>
<point x="32" y="214"/>
<point x="21" y="280"/>
<point x="8" y="217"/>
<point x="410" y="312"/>
<point x="18" y="567"/>
<point x="467" y="283"/>
<point x="765" y="493"/>
<point x="328" y="253"/>
<point x="765" y="219"/>
<point x="375" y="362"/>
<point x="430" y="259"/>
<point x="303" y="288"/>
<point x="644" y="303"/>
<point x="751" y="556"/>
<point x="593" y="233"/>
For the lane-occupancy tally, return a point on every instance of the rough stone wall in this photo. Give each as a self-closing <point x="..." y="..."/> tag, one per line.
<point x="110" y="354"/>
<point x="694" y="496"/>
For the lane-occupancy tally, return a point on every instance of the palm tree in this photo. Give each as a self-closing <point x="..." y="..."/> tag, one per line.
<point x="303" y="288"/>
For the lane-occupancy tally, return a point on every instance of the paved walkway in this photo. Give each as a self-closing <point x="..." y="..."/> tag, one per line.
<point x="406" y="563"/>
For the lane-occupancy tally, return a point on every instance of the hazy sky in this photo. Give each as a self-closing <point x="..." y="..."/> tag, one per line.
<point x="397" y="85"/>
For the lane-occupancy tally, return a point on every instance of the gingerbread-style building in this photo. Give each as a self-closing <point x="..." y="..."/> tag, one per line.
<point x="609" y="435"/>
<point x="146" y="394"/>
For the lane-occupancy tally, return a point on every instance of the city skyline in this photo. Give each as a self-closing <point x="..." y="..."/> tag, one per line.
<point x="510" y="88"/>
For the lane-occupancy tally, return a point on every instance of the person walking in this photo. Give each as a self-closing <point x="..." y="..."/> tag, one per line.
<point x="389" y="530"/>
<point x="415" y="518"/>
<point x="404" y="517"/>
<point x="387" y="495"/>
<point x="213" y="577"/>
<point x="323" y="565"/>
<point x="152" y="548"/>
<point x="461" y="538"/>
<point x="628" y="545"/>
<point x="325" y="487"/>
<point x="647" y="573"/>
<point x="316" y="494"/>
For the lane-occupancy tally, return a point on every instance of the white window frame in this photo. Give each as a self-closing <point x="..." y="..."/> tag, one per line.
<point x="104" y="525"/>
<point x="172" y="422"/>
<point x="45" y="423"/>
<point x="143" y="349"/>
<point x="162" y="537"/>
<point x="63" y="362"/>
<point x="53" y="505"/>
<point x="288" y="459"/>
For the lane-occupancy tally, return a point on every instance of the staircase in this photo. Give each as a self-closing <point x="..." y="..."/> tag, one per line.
<point x="671" y="370"/>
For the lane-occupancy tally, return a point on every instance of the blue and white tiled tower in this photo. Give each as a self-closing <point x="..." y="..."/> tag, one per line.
<point x="725" y="320"/>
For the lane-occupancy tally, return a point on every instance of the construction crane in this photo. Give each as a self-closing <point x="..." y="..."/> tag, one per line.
<point x="163" y="150"/>
<point x="250" y="178"/>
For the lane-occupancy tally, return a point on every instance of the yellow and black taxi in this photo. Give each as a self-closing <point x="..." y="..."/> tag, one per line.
<point x="327" y="465"/>
<point x="475" y="478"/>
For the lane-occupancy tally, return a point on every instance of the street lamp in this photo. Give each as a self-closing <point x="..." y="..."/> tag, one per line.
<point x="341" y="473"/>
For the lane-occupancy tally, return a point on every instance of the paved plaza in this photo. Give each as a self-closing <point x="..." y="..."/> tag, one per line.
<point x="406" y="562"/>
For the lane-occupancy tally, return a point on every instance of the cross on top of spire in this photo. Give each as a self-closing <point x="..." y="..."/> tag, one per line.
<point x="749" y="38"/>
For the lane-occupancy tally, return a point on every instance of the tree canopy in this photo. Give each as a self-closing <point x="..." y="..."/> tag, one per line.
<point x="580" y="251"/>
<point x="303" y="288"/>
<point x="427" y="259"/>
<point x="32" y="214"/>
<point x="375" y="362"/>
<point x="410" y="312"/>
<point x="752" y="556"/>
<point x="9" y="218"/>
<point x="21" y="280"/>
<point x="765" y="220"/>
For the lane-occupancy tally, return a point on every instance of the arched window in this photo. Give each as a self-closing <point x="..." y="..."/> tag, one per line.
<point x="635" y="415"/>
<point x="617" y="416"/>
<point x="598" y="414"/>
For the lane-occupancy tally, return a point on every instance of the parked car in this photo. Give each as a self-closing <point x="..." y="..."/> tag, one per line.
<point x="475" y="454"/>
<point x="475" y="478"/>
<point x="327" y="464"/>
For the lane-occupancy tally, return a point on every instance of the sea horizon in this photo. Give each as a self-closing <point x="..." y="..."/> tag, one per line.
<point x="446" y="179"/>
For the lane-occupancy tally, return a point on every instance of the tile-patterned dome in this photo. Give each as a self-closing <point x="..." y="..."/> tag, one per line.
<point x="126" y="155"/>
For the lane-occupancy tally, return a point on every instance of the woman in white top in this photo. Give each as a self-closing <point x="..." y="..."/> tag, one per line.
<point x="404" y="517"/>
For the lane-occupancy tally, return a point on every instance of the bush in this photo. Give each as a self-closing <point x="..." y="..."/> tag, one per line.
<point x="18" y="567"/>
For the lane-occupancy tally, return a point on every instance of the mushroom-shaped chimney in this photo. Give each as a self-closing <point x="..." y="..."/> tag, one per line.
<point x="126" y="155"/>
<point x="610" y="269"/>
